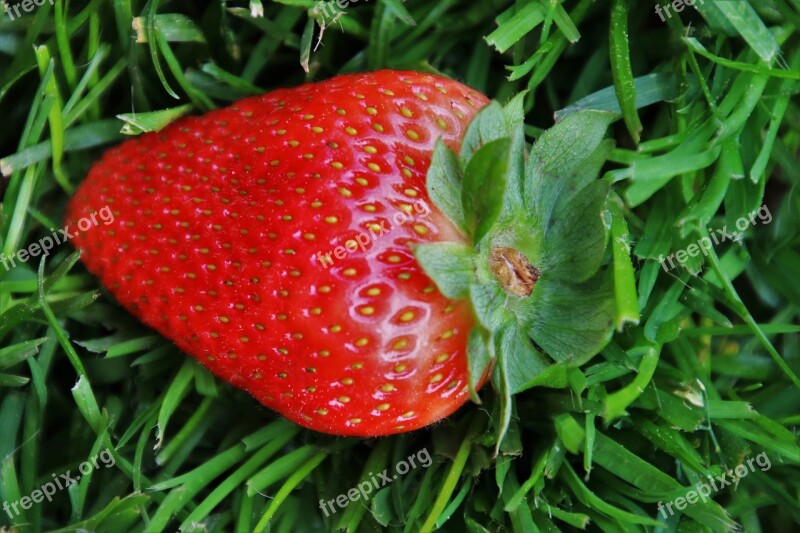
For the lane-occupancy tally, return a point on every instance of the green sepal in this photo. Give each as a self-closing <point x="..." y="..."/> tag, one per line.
<point x="566" y="158"/>
<point x="488" y="303"/>
<point x="444" y="184"/>
<point x="500" y="383"/>
<point x="451" y="266"/>
<point x="522" y="361"/>
<point x="479" y="357"/>
<point x="556" y="376"/>
<point x="447" y="183"/>
<point x="572" y="322"/>
<point x="488" y="125"/>
<point x="514" y="114"/>
<point x="575" y="237"/>
<point x="484" y="186"/>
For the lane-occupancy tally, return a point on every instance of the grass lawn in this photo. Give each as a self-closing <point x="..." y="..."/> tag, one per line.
<point x="687" y="420"/>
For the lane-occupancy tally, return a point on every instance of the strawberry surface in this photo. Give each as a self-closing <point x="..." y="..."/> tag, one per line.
<point x="271" y="240"/>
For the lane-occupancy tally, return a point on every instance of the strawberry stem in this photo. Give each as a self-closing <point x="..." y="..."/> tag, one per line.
<point x="513" y="270"/>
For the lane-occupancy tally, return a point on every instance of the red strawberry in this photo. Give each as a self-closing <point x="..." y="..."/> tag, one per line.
<point x="223" y="223"/>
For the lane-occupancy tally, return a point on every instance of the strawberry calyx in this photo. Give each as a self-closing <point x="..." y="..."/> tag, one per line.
<point x="513" y="271"/>
<point x="535" y="270"/>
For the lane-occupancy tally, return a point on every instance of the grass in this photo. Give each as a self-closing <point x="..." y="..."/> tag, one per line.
<point x="700" y="377"/>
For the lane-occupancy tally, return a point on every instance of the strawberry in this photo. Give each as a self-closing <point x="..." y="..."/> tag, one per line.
<point x="273" y="241"/>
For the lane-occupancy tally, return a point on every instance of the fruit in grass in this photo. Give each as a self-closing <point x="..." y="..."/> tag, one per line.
<point x="240" y="236"/>
<point x="327" y="250"/>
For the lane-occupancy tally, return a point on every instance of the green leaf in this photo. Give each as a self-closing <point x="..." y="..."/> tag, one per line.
<point x="621" y="68"/>
<point x="513" y="26"/>
<point x="488" y="303"/>
<point x="444" y="184"/>
<point x="238" y="83"/>
<point x="564" y="22"/>
<point x="27" y="310"/>
<point x="572" y="322"/>
<point x="77" y="138"/>
<point x="649" y="89"/>
<point x="381" y="507"/>
<point x="378" y="460"/>
<point x="488" y="125"/>
<point x="714" y="17"/>
<point x="13" y="355"/>
<point x="191" y="483"/>
<point x="150" y="35"/>
<point x="173" y="27"/>
<point x="575" y="236"/>
<point x="7" y="380"/>
<point x="506" y="402"/>
<point x="87" y="403"/>
<point x="279" y="469"/>
<point x="305" y="44"/>
<point x="757" y="68"/>
<point x="639" y="473"/>
<point x="624" y="278"/>
<point x="484" y="187"/>
<point x="741" y="16"/>
<point x="566" y="158"/>
<point x="555" y="376"/>
<point x="137" y="123"/>
<point x="449" y="265"/>
<point x="479" y="357"/>
<point x="588" y="498"/>
<point x="400" y="10"/>
<point x="173" y="396"/>
<point x="614" y="405"/>
<point x="289" y="485"/>
<point x="134" y="345"/>
<point x="380" y="34"/>
<point x="514" y="114"/>
<point x="522" y="361"/>
<point x="61" y="270"/>
<point x="569" y="431"/>
<point x="118" y="515"/>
